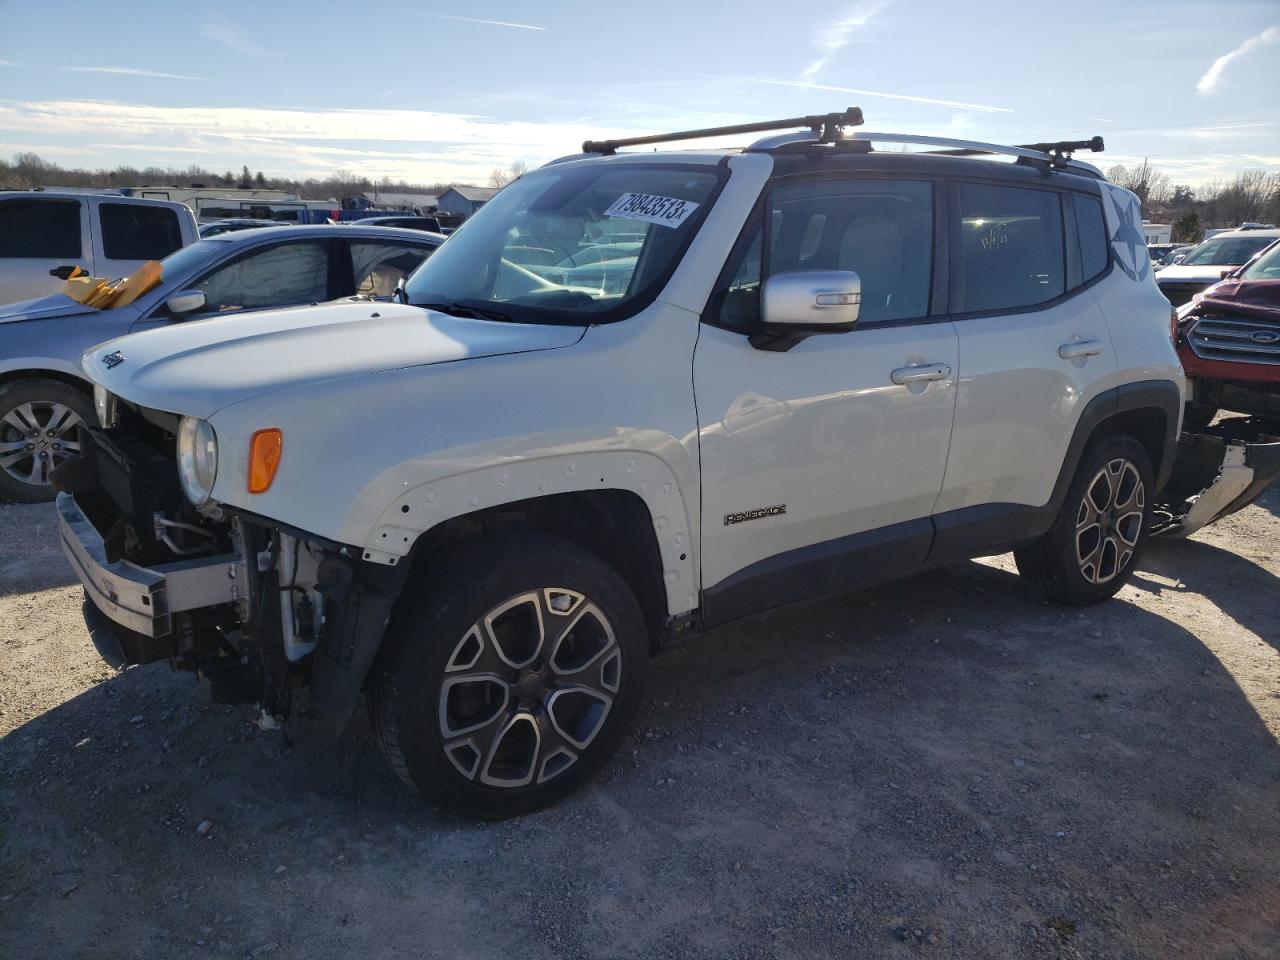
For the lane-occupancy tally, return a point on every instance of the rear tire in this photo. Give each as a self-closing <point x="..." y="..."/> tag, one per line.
<point x="1090" y="551"/>
<point x="40" y="422"/>
<point x="509" y="675"/>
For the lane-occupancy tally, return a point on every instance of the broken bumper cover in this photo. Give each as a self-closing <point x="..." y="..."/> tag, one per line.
<point x="1217" y="472"/>
<point x="143" y="599"/>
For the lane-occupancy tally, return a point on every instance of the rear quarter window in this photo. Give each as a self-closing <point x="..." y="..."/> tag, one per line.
<point x="1092" y="230"/>
<point x="131" y="231"/>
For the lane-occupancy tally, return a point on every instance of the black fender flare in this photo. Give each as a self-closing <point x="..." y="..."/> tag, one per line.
<point x="1161" y="395"/>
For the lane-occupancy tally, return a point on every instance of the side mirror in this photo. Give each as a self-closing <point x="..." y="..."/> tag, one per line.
<point x="185" y="301"/>
<point x="795" y="305"/>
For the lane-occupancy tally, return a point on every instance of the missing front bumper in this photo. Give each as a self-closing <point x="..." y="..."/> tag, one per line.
<point x="1217" y="472"/>
<point x="144" y="599"/>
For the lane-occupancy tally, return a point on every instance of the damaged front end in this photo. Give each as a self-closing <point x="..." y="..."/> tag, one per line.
<point x="256" y="610"/>
<point x="1218" y="470"/>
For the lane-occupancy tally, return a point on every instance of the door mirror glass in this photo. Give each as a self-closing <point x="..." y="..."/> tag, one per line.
<point x="813" y="301"/>
<point x="185" y="301"/>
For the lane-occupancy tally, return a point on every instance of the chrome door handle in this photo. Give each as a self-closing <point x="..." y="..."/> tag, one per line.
<point x="924" y="372"/>
<point x="1079" y="349"/>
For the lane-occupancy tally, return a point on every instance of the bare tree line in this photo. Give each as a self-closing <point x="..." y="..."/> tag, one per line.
<point x="1252" y="195"/>
<point x="27" y="170"/>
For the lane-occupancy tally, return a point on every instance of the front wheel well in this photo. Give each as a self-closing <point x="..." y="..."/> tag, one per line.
<point x="615" y="525"/>
<point x="16" y="376"/>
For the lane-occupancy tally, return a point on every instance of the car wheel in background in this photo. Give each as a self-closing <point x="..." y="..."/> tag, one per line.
<point x="40" y="424"/>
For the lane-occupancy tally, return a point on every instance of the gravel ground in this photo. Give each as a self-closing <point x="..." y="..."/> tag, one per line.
<point x="943" y="767"/>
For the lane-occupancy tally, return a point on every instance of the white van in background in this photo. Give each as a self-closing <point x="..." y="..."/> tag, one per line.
<point x="44" y="235"/>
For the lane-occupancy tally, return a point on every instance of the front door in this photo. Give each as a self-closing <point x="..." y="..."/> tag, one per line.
<point x="821" y="464"/>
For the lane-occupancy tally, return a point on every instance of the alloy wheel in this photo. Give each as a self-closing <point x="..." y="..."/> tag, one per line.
<point x="1109" y="520"/>
<point x="528" y="687"/>
<point x="35" y="437"/>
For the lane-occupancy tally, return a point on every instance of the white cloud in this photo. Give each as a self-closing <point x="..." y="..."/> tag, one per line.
<point x="233" y="38"/>
<point x="414" y="144"/>
<point x="136" y="72"/>
<point x="1212" y="78"/>
<point x="809" y="85"/>
<point x="491" y="23"/>
<point x="831" y="38"/>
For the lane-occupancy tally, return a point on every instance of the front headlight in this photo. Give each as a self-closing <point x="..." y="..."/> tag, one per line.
<point x="104" y="401"/>
<point x="197" y="459"/>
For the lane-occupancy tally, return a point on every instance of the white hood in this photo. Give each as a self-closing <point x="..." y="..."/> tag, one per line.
<point x="200" y="367"/>
<point x="1205" y="273"/>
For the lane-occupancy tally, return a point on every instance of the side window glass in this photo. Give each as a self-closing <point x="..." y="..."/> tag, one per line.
<point x="378" y="267"/>
<point x="740" y="306"/>
<point x="1093" y="235"/>
<point x="131" y="231"/>
<point x="880" y="229"/>
<point x="1012" y="253"/>
<point x="282" y="276"/>
<point x="45" y="229"/>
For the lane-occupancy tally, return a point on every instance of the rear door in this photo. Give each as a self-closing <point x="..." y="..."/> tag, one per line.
<point x="41" y="241"/>
<point x="1034" y="350"/>
<point x="127" y="235"/>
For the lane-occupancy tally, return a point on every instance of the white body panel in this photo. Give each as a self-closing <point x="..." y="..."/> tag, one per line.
<point x="1018" y="401"/>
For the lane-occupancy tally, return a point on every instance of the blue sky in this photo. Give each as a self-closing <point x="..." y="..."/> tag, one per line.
<point x="432" y="91"/>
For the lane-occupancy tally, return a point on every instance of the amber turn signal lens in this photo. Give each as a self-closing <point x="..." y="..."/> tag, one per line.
<point x="264" y="457"/>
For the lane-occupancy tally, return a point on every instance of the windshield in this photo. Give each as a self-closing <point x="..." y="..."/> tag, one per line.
<point x="1266" y="267"/>
<point x="575" y="244"/>
<point x="182" y="262"/>
<point x="1225" y="251"/>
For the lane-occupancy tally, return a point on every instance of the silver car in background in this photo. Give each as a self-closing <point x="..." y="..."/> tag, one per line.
<point x="43" y="394"/>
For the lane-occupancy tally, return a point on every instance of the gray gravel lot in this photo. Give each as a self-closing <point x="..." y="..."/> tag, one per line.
<point x="943" y="767"/>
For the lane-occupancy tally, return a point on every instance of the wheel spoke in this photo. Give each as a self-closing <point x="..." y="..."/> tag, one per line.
<point x="16" y="456"/>
<point x="39" y="471"/>
<point x="60" y="418"/>
<point x="21" y="418"/>
<point x="469" y="751"/>
<point x="512" y="757"/>
<point x="578" y="713"/>
<point x="516" y="629"/>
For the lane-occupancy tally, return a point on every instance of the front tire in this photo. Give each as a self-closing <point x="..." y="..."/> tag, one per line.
<point x="509" y="675"/>
<point x="1093" y="546"/>
<point x="40" y="423"/>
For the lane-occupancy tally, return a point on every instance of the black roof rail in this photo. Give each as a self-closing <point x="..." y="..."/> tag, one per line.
<point x="825" y="127"/>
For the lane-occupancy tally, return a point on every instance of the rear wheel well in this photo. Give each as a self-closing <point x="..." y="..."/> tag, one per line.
<point x="1147" y="425"/>
<point x="615" y="525"/>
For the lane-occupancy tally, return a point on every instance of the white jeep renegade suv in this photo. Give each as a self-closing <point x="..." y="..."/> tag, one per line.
<point x="635" y="396"/>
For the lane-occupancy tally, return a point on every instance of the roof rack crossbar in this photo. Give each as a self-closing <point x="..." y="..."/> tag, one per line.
<point x="825" y="127"/>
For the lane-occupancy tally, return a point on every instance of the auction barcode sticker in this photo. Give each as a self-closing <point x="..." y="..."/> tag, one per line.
<point x="664" y="211"/>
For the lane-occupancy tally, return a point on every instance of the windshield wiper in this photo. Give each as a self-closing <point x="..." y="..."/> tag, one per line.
<point x="459" y="309"/>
